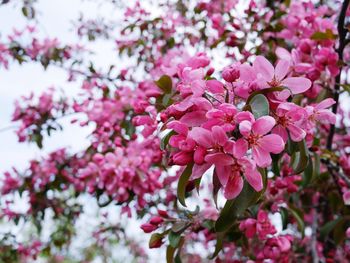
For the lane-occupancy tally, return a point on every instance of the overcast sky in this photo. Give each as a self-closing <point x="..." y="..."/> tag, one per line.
<point x="55" y="21"/>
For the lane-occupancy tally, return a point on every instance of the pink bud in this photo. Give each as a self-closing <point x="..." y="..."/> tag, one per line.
<point x="182" y="158"/>
<point x="148" y="228"/>
<point x="348" y="232"/>
<point x="230" y="74"/>
<point x="156" y="220"/>
<point x="156" y="243"/>
<point x="163" y="213"/>
<point x="210" y="71"/>
<point x="199" y="155"/>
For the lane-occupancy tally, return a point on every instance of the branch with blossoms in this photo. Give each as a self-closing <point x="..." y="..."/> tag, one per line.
<point x="224" y="110"/>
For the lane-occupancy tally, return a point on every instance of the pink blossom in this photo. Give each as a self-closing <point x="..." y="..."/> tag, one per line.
<point x="230" y="168"/>
<point x="290" y="117"/>
<point x="268" y="76"/>
<point x="262" y="144"/>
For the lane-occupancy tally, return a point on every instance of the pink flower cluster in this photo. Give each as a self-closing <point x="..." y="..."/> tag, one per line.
<point x="38" y="114"/>
<point x="273" y="247"/>
<point x="126" y="172"/>
<point x="213" y="126"/>
<point x="312" y="33"/>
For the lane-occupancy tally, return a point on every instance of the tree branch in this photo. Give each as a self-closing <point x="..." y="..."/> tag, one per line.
<point x="315" y="258"/>
<point x="342" y="32"/>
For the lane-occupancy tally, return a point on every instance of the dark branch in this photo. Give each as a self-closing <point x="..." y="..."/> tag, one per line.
<point x="342" y="31"/>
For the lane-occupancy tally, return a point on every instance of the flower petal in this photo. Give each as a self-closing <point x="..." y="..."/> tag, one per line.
<point x="244" y="116"/>
<point x="297" y="84"/>
<point x="263" y="125"/>
<point x="282" y="69"/>
<point x="325" y="104"/>
<point x="223" y="173"/>
<point x="245" y="128"/>
<point x="283" y="53"/>
<point x="219" y="159"/>
<point x="272" y="143"/>
<point x="215" y="86"/>
<point x="281" y="131"/>
<point x="178" y="126"/>
<point x="199" y="170"/>
<point x="262" y="66"/>
<point x="233" y="187"/>
<point x="261" y="157"/>
<point x="247" y="73"/>
<point x="296" y="133"/>
<point x="194" y="118"/>
<point x="254" y="179"/>
<point x="219" y="135"/>
<point x="201" y="136"/>
<point x="240" y="148"/>
<point x="326" y="116"/>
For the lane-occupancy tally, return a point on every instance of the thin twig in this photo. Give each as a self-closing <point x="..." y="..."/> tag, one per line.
<point x="332" y="168"/>
<point x="11" y="127"/>
<point x="315" y="258"/>
<point x="212" y="97"/>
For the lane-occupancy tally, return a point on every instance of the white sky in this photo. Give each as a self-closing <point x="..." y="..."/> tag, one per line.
<point x="56" y="21"/>
<point x="55" y="17"/>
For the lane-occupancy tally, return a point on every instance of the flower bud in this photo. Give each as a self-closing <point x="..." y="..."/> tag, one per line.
<point x="163" y="213"/>
<point x="156" y="220"/>
<point x="230" y="74"/>
<point x="182" y="158"/>
<point x="148" y="228"/>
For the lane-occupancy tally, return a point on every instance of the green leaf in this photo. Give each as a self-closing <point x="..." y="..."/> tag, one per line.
<point x="181" y="187"/>
<point x="275" y="164"/>
<point x="259" y="106"/>
<point x="165" y="140"/>
<point x="155" y="238"/>
<point x="339" y="232"/>
<point x="303" y="157"/>
<point x="170" y="251"/>
<point x="174" y="239"/>
<point x="327" y="228"/>
<point x="328" y="34"/>
<point x="197" y="183"/>
<point x="264" y="92"/>
<point x="308" y="172"/>
<point x="292" y="146"/>
<point x="216" y="188"/>
<point x="298" y="215"/>
<point x="346" y="87"/>
<point x="179" y="227"/>
<point x="317" y="164"/>
<point x="178" y="254"/>
<point x="219" y="244"/>
<point x="233" y="208"/>
<point x="284" y="217"/>
<point x="165" y="83"/>
<point x="208" y="224"/>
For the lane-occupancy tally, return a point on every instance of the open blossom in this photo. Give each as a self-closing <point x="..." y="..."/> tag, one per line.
<point x="290" y="118"/>
<point x="262" y="143"/>
<point x="260" y="226"/>
<point x="268" y="76"/>
<point x="320" y="113"/>
<point x="224" y="116"/>
<point x="276" y="247"/>
<point x="230" y="169"/>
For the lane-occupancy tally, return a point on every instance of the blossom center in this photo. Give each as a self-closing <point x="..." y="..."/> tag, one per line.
<point x="274" y="82"/>
<point x="253" y="139"/>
